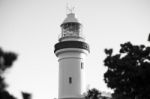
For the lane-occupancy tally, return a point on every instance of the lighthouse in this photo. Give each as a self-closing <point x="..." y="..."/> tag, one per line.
<point x="71" y="50"/>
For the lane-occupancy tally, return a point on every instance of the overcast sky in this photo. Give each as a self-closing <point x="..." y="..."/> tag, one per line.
<point x="31" y="28"/>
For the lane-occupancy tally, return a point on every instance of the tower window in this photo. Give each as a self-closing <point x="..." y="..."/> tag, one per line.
<point x="70" y="80"/>
<point x="81" y="65"/>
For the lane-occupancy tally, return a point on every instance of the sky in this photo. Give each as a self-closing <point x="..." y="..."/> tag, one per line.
<point x="31" y="28"/>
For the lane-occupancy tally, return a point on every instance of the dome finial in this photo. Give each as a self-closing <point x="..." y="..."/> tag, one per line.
<point x="70" y="8"/>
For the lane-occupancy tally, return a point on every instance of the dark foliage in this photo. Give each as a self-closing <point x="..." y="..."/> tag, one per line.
<point x="26" y="95"/>
<point x="6" y="95"/>
<point x="6" y="61"/>
<point x="2" y="84"/>
<point x="93" y="94"/>
<point x="128" y="72"/>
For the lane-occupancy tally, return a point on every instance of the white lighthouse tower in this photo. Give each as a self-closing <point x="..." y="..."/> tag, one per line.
<point x="71" y="50"/>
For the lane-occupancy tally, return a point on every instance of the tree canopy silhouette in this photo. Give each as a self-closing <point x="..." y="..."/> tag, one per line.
<point x="93" y="94"/>
<point x="6" y="61"/>
<point x="128" y="72"/>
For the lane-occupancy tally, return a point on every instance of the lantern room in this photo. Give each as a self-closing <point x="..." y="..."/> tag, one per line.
<point x="71" y="29"/>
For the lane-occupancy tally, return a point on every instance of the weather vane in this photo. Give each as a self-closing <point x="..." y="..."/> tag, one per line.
<point x="70" y="9"/>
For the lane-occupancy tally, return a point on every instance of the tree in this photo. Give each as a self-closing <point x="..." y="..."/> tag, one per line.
<point x="128" y="72"/>
<point x="6" y="61"/>
<point x="26" y="95"/>
<point x="95" y="94"/>
<point x="92" y="94"/>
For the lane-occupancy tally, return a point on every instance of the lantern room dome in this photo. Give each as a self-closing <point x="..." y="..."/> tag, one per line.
<point x="70" y="19"/>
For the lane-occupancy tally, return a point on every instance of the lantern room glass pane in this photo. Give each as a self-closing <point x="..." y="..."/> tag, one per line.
<point x="71" y="29"/>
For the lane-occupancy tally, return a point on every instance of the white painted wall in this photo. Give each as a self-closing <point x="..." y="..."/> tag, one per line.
<point x="70" y="66"/>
